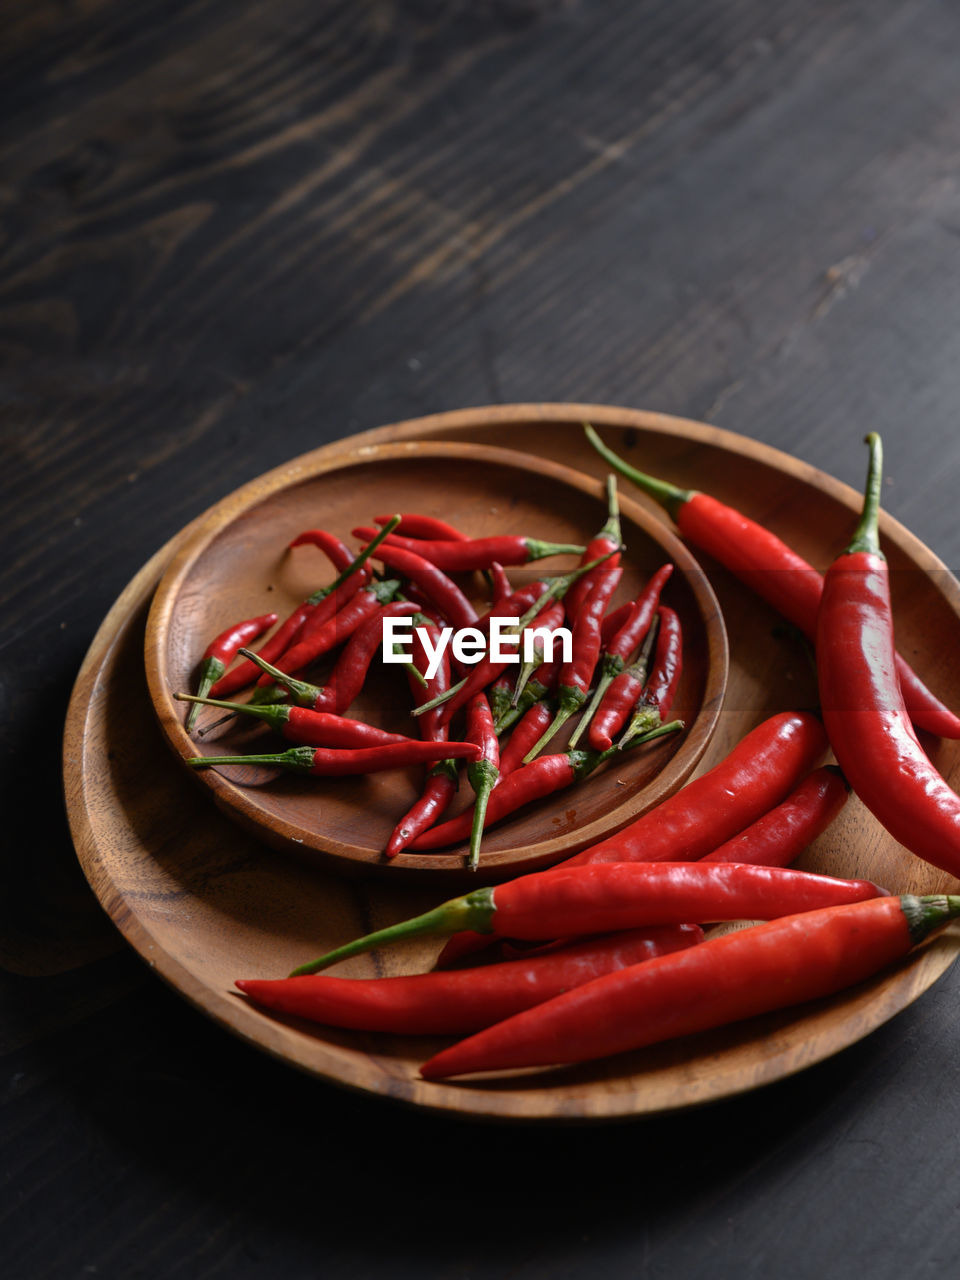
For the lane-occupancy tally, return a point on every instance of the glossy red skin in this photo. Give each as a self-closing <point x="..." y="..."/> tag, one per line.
<point x="725" y="979"/>
<point x="785" y="580"/>
<point x="336" y="551"/>
<point x="433" y="582"/>
<point x="597" y="898"/>
<point x="578" y="591"/>
<point x="760" y="771"/>
<point x="414" y="525"/>
<point x="311" y="728"/>
<point x="782" y="834"/>
<point x="223" y="648"/>
<point x="667" y="665"/>
<point x="587" y="624"/>
<point x="349" y="674"/>
<point x="529" y="729"/>
<point x="614" y="709"/>
<point x="318" y="640"/>
<point x="866" y="717"/>
<point x="463" y="556"/>
<point x="479" y="729"/>
<point x="336" y="763"/>
<point x="541" y="777"/>
<point x="634" y="629"/>
<point x="456" y="1003"/>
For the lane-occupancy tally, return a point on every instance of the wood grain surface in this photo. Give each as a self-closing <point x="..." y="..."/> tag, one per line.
<point x="231" y="233"/>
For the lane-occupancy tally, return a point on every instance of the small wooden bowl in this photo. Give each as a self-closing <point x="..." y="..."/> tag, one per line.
<point x="237" y="565"/>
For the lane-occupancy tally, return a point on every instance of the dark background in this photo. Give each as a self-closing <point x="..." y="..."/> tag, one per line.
<point x="232" y="231"/>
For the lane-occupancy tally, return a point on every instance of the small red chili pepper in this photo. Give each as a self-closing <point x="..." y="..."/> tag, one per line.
<point x="528" y="730"/>
<point x="319" y="640"/>
<point x="863" y="707"/>
<point x="324" y="603"/>
<point x="501" y="590"/>
<point x="476" y="553"/>
<point x="306" y="727"/>
<point x="575" y="901"/>
<point x="538" y="687"/>
<point x="576" y="675"/>
<point x="738" y="975"/>
<point x="665" y="671"/>
<point x="414" y="525"/>
<point x="221" y="651"/>
<point x="465" y="1001"/>
<point x="442" y="780"/>
<point x="539" y="778"/>
<point x="336" y="551"/>
<point x="771" y="569"/>
<point x="618" y="648"/>
<point x="622" y="696"/>
<point x="441" y="591"/>
<point x="782" y="834"/>
<point x="536" y="661"/>
<point x="483" y="774"/>
<point x="608" y="540"/>
<point x="336" y="762"/>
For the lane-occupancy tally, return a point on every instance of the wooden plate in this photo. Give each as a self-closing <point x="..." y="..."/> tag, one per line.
<point x="199" y="901"/>
<point x="236" y="565"/>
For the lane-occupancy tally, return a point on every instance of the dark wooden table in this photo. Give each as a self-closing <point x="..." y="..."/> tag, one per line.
<point x="234" y="231"/>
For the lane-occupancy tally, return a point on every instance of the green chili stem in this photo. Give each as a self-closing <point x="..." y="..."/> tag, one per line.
<point x="866" y="536"/>
<point x="670" y="496"/>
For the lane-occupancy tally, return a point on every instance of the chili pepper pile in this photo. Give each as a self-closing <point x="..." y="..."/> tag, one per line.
<point x="427" y="576"/>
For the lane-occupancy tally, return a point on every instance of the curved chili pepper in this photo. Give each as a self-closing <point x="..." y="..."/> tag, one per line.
<point x="760" y="771"/>
<point x="476" y="553"/>
<point x="725" y="979"/>
<point x="539" y="778"/>
<point x="771" y="569"/>
<point x="335" y="762"/>
<point x="221" y="651"/>
<point x="622" y="696"/>
<point x="598" y="899"/>
<point x="576" y="675"/>
<point x="440" y="590"/>
<point x="336" y="551"/>
<point x="321" y="639"/>
<point x="608" y="542"/>
<point x="442" y="780"/>
<point x="782" y="834"/>
<point x="483" y="774"/>
<point x="661" y="686"/>
<point x="309" y="728"/>
<point x="863" y="706"/>
<point x="618" y="648"/>
<point x="323" y="603"/>
<point x="501" y="590"/>
<point x="414" y="525"/>
<point x="464" y="1001"/>
<point x="528" y="730"/>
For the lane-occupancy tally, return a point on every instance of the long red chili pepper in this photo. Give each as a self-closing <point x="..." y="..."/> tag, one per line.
<point x="661" y="687"/>
<point x="483" y="774"/>
<point x="528" y="730"/>
<point x="440" y="590"/>
<point x="335" y="762"/>
<point x="576" y="675"/>
<point x="414" y="525"/>
<point x="321" y="639"/>
<point x="863" y="707"/>
<point x="771" y="569"/>
<point x="309" y="728"/>
<point x="738" y="975"/>
<point x="336" y="550"/>
<point x="464" y="1001"/>
<point x="221" y="651"/>
<point x="607" y="542"/>
<point x="623" y="695"/>
<point x="617" y="895"/>
<point x="323" y="603"/>
<point x="618" y="648"/>
<point x="782" y="834"/>
<point x="442" y="780"/>
<point x="539" y="778"/>
<point x="476" y="553"/>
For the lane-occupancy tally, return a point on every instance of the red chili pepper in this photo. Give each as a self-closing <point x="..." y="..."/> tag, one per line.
<point x="528" y="730"/>
<point x="414" y="525"/>
<point x="442" y="780"/>
<point x="309" y="728"/>
<point x="618" y="647"/>
<point x="782" y="834"/>
<point x="483" y="774"/>
<point x="617" y="895"/>
<point x="336" y="551"/>
<point x="661" y="687"/>
<point x="576" y="675"/>
<point x="539" y="778"/>
<point x="443" y="593"/>
<point x="323" y="603"/>
<point x="476" y="553"/>
<point x="221" y="651"/>
<point x="622" y="696"/>
<point x="608" y="540"/>
<point x="760" y="771"/>
<point x="465" y="1001"/>
<point x="863" y="707"/>
<point x="319" y="640"/>
<point x="501" y="590"/>
<point x="537" y="688"/>
<point x="771" y="569"/>
<point x="725" y="979"/>
<point x="335" y="763"/>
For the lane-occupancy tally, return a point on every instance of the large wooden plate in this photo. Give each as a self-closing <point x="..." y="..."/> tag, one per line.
<point x="204" y="904"/>
<point x="235" y="565"/>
